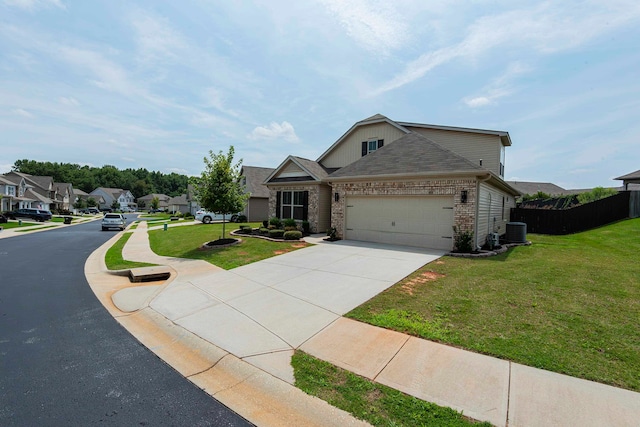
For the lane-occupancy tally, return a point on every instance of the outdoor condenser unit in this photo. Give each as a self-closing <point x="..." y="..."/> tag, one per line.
<point x="495" y="238"/>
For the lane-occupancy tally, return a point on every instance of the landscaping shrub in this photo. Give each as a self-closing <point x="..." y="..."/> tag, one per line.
<point x="292" y="235"/>
<point x="264" y="231"/>
<point x="290" y="222"/>
<point x="188" y="215"/>
<point x="463" y="240"/>
<point x="596" y="194"/>
<point x="245" y="229"/>
<point x="265" y="223"/>
<point x="276" y="222"/>
<point x="276" y="233"/>
<point x="290" y="228"/>
<point x="242" y="218"/>
<point x="306" y="227"/>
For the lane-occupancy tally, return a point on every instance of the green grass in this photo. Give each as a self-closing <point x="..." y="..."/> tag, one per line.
<point x="113" y="258"/>
<point x="183" y="242"/>
<point x="375" y="403"/>
<point x="569" y="304"/>
<point x="38" y="228"/>
<point x="14" y="224"/>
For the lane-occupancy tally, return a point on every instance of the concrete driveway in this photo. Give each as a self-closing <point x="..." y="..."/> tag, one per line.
<point x="263" y="311"/>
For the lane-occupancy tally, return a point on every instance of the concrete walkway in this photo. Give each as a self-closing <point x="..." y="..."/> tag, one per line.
<point x="260" y="313"/>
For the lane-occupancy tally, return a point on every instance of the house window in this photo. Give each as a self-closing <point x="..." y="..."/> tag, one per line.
<point x="293" y="204"/>
<point x="371" y="146"/>
<point x="11" y="190"/>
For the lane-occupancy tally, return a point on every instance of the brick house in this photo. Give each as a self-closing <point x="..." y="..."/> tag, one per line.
<point x="400" y="183"/>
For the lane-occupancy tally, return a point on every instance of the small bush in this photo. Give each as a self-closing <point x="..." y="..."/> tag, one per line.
<point x="265" y="223"/>
<point x="245" y="229"/>
<point x="306" y="227"/>
<point x="242" y="218"/>
<point x="596" y="194"/>
<point x="463" y="240"/>
<point x="188" y="215"/>
<point x="275" y="222"/>
<point x="276" y="234"/>
<point x="290" y="228"/>
<point x="264" y="231"/>
<point x="292" y="235"/>
<point x="290" y="222"/>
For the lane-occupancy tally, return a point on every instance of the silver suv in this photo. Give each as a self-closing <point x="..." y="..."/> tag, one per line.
<point x="113" y="220"/>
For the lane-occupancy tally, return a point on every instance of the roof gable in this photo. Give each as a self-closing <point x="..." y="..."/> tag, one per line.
<point x="297" y="169"/>
<point x="632" y="175"/>
<point x="377" y="118"/>
<point x="412" y="154"/>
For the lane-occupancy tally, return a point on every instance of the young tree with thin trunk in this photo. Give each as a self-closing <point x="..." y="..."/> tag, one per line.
<point x="219" y="189"/>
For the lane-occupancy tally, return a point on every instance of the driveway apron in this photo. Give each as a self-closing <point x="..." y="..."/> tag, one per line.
<point x="261" y="312"/>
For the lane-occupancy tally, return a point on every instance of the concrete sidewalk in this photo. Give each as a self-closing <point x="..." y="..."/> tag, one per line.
<point x="258" y="314"/>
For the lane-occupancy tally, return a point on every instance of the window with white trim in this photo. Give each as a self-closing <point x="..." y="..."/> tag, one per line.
<point x="292" y="205"/>
<point x="371" y="145"/>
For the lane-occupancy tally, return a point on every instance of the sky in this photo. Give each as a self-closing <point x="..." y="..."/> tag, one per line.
<point x="158" y="84"/>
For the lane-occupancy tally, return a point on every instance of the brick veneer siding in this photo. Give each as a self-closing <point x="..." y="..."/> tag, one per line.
<point x="314" y="201"/>
<point x="463" y="213"/>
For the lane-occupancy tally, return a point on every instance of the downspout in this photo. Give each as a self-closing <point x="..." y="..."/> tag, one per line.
<point x="480" y="179"/>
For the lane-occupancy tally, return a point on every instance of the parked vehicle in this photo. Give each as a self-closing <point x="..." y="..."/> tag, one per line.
<point x="207" y="217"/>
<point x="34" y="214"/>
<point x="91" y="211"/>
<point x="3" y="219"/>
<point x="113" y="220"/>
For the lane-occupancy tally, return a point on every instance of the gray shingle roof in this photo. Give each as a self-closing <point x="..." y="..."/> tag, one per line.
<point x="632" y="175"/>
<point x="526" y="187"/>
<point x="411" y="154"/>
<point x="255" y="177"/>
<point x="312" y="166"/>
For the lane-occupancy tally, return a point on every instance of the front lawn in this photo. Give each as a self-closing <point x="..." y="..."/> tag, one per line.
<point x="16" y="224"/>
<point x="568" y="304"/>
<point x="183" y="242"/>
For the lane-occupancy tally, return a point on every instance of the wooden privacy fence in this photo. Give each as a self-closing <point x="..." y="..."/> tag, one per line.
<point x="584" y="217"/>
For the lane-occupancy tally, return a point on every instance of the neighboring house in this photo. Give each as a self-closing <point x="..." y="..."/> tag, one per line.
<point x="64" y="195"/>
<point x="81" y="195"/>
<point x="531" y="188"/>
<point x="400" y="183"/>
<point x="28" y="191"/>
<point x="178" y="204"/>
<point x="630" y="181"/>
<point x="163" y="201"/>
<point x="109" y="195"/>
<point x="192" y="200"/>
<point x="253" y="178"/>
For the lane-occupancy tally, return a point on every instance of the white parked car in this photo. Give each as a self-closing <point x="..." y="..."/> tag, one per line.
<point x="113" y="220"/>
<point x="208" y="217"/>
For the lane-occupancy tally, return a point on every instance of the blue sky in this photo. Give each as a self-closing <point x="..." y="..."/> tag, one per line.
<point x="158" y="84"/>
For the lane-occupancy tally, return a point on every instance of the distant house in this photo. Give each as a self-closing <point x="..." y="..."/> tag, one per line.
<point x="109" y="195"/>
<point x="64" y="195"/>
<point x="178" y="204"/>
<point x="27" y="191"/>
<point x="163" y="201"/>
<point x="630" y="181"/>
<point x="528" y="187"/>
<point x="253" y="178"/>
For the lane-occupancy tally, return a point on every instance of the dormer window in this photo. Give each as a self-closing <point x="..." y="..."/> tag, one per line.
<point x="371" y="145"/>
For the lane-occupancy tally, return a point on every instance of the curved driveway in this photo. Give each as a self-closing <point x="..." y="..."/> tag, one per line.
<point x="65" y="361"/>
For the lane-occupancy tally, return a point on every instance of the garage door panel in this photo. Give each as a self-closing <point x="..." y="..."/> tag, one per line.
<point x="422" y="221"/>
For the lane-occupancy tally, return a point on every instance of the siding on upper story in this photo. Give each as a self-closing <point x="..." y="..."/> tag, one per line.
<point x="350" y="149"/>
<point x="472" y="146"/>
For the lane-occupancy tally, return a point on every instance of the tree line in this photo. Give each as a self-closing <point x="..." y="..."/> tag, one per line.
<point x="87" y="178"/>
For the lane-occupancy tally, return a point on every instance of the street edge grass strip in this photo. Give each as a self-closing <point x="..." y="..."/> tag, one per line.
<point x="113" y="258"/>
<point x="374" y="403"/>
<point x="34" y="229"/>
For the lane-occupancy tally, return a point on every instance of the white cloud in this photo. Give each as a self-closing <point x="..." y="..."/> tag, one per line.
<point x="128" y="159"/>
<point x="35" y="4"/>
<point x="376" y="26"/>
<point x="543" y="29"/>
<point x="23" y="113"/>
<point x="156" y="39"/>
<point x="283" y="131"/>
<point x="69" y="101"/>
<point x="498" y="88"/>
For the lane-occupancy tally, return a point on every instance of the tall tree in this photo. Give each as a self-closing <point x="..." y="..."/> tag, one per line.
<point x="219" y="189"/>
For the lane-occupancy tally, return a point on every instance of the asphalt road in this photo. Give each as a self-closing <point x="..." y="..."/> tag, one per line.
<point x="64" y="361"/>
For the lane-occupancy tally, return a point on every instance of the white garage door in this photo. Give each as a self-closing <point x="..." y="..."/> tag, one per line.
<point x="422" y="221"/>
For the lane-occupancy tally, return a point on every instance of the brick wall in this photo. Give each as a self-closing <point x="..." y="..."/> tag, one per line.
<point x="314" y="200"/>
<point x="463" y="213"/>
